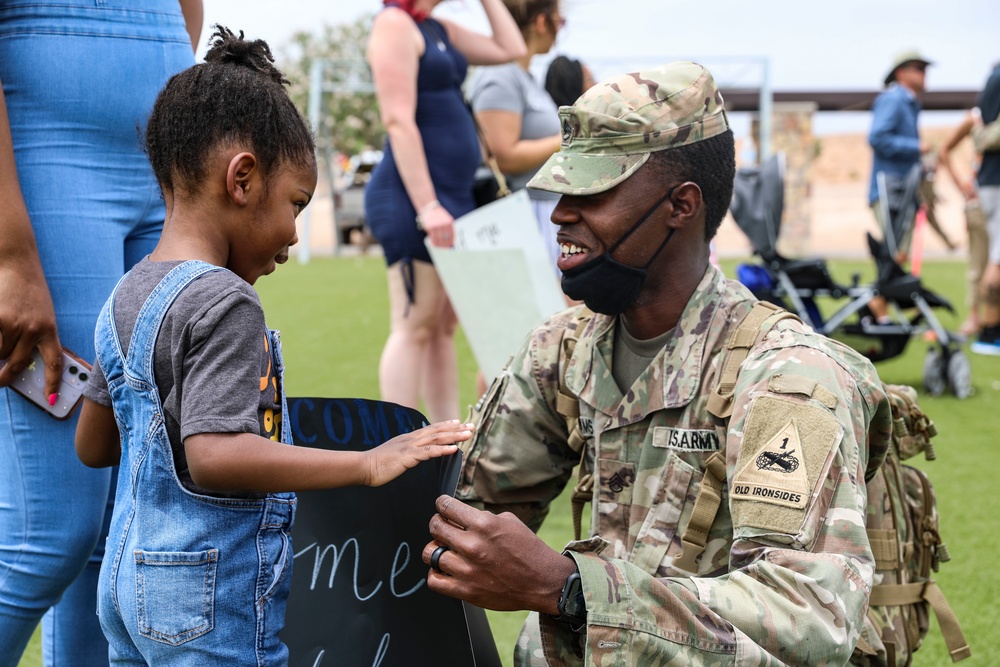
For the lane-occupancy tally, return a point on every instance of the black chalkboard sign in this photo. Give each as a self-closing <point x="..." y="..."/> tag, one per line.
<point x="359" y="588"/>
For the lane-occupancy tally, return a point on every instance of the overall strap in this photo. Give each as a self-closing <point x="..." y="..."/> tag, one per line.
<point x="107" y="345"/>
<point x="139" y="361"/>
<point x="748" y="333"/>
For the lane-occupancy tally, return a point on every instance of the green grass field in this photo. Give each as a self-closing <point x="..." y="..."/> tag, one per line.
<point x="333" y="314"/>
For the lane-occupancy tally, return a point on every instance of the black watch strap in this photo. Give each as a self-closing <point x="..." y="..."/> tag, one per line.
<point x="572" y="604"/>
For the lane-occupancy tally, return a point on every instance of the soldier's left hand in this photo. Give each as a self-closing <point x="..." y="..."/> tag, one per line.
<point x="493" y="560"/>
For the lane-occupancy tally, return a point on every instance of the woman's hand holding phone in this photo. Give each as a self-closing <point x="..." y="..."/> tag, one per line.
<point x="32" y="383"/>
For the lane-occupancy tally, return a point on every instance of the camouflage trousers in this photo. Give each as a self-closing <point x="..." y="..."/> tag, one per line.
<point x="528" y="649"/>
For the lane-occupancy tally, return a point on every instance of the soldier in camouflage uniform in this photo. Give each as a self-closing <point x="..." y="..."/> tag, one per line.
<point x="787" y="569"/>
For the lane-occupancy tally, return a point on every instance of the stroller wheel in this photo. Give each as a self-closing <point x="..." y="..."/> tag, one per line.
<point x="959" y="374"/>
<point x="935" y="372"/>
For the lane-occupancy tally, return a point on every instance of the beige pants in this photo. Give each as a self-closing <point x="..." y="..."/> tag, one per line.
<point x="979" y="243"/>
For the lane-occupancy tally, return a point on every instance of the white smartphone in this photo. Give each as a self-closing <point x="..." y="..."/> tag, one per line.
<point x="31" y="383"/>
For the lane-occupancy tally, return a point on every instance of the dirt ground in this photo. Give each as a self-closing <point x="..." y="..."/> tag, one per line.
<point x="840" y="212"/>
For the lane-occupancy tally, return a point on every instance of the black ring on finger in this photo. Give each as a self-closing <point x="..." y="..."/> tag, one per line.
<point x="436" y="558"/>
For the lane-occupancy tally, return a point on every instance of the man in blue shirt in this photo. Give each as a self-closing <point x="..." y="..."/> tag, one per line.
<point x="895" y="141"/>
<point x="986" y="189"/>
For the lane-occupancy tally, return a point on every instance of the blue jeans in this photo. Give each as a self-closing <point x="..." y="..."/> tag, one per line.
<point x="79" y="77"/>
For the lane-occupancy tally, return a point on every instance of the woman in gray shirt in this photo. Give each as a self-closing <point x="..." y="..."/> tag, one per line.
<point x="518" y="118"/>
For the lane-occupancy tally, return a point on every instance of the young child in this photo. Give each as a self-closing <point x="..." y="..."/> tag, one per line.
<point x="198" y="560"/>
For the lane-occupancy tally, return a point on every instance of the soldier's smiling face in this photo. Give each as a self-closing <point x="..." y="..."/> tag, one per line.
<point x="591" y="224"/>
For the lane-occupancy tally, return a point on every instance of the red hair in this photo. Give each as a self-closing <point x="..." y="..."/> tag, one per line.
<point x="406" y="6"/>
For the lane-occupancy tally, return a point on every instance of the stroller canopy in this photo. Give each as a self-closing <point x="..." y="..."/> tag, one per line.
<point x="758" y="202"/>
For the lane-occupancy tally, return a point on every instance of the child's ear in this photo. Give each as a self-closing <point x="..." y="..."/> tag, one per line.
<point x="239" y="176"/>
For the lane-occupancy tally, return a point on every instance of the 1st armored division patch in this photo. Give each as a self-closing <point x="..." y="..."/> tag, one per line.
<point x="777" y="474"/>
<point x="786" y="446"/>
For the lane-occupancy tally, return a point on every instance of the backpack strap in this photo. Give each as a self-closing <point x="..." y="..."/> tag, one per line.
<point x="760" y="320"/>
<point x="568" y="407"/>
<point x="706" y="506"/>
<point x="748" y="333"/>
<point x="895" y="595"/>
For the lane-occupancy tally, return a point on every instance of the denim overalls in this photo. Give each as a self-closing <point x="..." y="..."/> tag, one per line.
<point x="187" y="579"/>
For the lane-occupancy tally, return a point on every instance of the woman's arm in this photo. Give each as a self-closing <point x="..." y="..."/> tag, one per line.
<point x="98" y="443"/>
<point x="27" y="317"/>
<point x="502" y="130"/>
<point x="394" y="51"/>
<point x="944" y="155"/>
<point x="194" y="17"/>
<point x="504" y="45"/>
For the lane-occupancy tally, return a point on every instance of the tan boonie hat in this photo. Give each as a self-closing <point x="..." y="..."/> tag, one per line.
<point x="611" y="130"/>
<point x="904" y="58"/>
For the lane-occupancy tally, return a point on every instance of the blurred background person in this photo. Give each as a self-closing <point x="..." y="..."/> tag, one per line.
<point x="520" y="122"/>
<point x="982" y="196"/>
<point x="424" y="182"/>
<point x="79" y="205"/>
<point x="566" y="79"/>
<point x="895" y="142"/>
<point x="894" y="137"/>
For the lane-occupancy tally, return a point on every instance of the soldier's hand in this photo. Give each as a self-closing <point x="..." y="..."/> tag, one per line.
<point x="493" y="560"/>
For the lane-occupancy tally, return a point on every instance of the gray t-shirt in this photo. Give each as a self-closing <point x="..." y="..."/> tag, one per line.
<point x="212" y="360"/>
<point x="510" y="88"/>
<point x="631" y="356"/>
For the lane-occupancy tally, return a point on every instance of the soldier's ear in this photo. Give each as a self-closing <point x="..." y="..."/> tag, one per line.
<point x="686" y="203"/>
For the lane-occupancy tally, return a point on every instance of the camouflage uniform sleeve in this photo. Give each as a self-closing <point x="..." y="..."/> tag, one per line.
<point x="519" y="460"/>
<point x="800" y="565"/>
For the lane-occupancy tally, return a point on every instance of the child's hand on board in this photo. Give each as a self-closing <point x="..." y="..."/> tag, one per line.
<point x="394" y="457"/>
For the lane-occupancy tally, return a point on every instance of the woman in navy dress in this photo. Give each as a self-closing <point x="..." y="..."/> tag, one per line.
<point x="424" y="182"/>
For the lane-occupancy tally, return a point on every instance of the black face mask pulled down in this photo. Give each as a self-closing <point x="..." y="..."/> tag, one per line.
<point x="606" y="285"/>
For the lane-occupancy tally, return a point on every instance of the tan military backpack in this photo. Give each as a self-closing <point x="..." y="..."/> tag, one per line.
<point x="902" y="517"/>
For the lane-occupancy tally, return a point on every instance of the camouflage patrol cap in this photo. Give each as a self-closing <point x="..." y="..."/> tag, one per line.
<point x="611" y="130"/>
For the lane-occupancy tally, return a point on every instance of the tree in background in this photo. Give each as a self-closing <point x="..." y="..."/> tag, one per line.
<point x="350" y="114"/>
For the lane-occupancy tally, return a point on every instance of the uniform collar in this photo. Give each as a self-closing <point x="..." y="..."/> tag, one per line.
<point x="672" y="378"/>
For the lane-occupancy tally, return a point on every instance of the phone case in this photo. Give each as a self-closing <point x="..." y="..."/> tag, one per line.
<point x="31" y="384"/>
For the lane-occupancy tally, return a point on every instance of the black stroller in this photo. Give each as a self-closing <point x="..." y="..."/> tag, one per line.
<point x="796" y="284"/>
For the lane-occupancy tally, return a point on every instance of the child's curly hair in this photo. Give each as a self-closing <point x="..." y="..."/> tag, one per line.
<point x="236" y="96"/>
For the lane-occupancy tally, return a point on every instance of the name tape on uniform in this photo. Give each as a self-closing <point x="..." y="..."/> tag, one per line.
<point x="696" y="440"/>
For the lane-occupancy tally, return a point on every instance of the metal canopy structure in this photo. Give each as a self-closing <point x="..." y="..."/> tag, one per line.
<point x="748" y="99"/>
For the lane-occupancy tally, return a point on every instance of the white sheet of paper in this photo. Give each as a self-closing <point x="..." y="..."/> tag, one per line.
<point x="499" y="279"/>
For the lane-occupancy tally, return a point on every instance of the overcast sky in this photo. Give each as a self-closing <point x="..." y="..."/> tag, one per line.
<point x="846" y="44"/>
